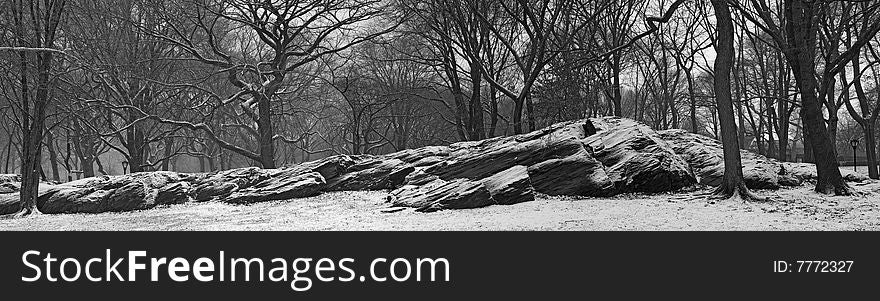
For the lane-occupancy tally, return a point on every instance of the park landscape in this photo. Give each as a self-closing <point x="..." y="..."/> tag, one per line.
<point x="439" y="115"/>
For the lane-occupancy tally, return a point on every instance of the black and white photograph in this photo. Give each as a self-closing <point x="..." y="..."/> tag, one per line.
<point x="432" y="116"/>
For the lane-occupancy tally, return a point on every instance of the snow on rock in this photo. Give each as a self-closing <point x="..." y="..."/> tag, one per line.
<point x="636" y="158"/>
<point x="706" y="158"/>
<point x="591" y="157"/>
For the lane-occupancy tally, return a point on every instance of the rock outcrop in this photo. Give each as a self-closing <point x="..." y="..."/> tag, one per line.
<point x="592" y="157"/>
<point x="619" y="156"/>
<point x="807" y="172"/>
<point x="706" y="159"/>
<point x="636" y="158"/>
<point x="9" y="202"/>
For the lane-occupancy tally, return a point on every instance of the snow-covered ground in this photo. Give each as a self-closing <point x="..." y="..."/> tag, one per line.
<point x="789" y="209"/>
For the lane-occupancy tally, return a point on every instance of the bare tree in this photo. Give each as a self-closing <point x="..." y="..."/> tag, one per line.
<point x="867" y="114"/>
<point x="732" y="185"/>
<point x="290" y="35"/>
<point x="35" y="26"/>
<point x="799" y="44"/>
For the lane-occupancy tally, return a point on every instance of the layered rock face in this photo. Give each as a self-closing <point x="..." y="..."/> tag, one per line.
<point x="597" y="157"/>
<point x="706" y="158"/>
<point x="592" y="157"/>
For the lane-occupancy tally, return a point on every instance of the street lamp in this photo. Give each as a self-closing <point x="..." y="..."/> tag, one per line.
<point x="124" y="166"/>
<point x="855" y="144"/>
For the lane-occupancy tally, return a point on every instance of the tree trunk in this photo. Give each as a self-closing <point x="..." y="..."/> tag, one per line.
<point x="475" y="121"/>
<point x="732" y="184"/>
<point x="517" y="115"/>
<point x="211" y="164"/>
<point x="530" y="110"/>
<point x="53" y="156"/>
<point x="782" y="115"/>
<point x="87" y="163"/>
<point x="867" y="119"/>
<point x="30" y="169"/>
<point x="169" y="143"/>
<point x="715" y="124"/>
<point x="100" y="166"/>
<point x="829" y="178"/>
<point x="771" y="141"/>
<point x="831" y="107"/>
<point x="493" y="102"/>
<point x="871" y="150"/>
<point x="8" y="154"/>
<point x="741" y="123"/>
<point x="808" y="149"/>
<point x="135" y="147"/>
<point x="616" y="85"/>
<point x="693" y="102"/>
<point x="801" y="31"/>
<point x="264" y="126"/>
<point x="356" y="137"/>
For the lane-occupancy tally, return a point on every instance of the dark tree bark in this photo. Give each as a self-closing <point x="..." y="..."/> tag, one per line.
<point x="168" y="150"/>
<point x="45" y="19"/>
<point x="783" y="113"/>
<point x="801" y="31"/>
<point x="264" y="126"/>
<point x="808" y="149"/>
<point x="693" y="103"/>
<point x="100" y="166"/>
<point x="493" y="111"/>
<point x="740" y="92"/>
<point x="733" y="185"/>
<point x="615" y="77"/>
<point x="475" y="105"/>
<point x="8" y="155"/>
<point x="53" y="155"/>
<point x="84" y="150"/>
<point x="134" y="144"/>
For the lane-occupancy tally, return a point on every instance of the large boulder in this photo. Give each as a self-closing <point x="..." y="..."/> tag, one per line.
<point x="510" y="186"/>
<point x="591" y="157"/>
<point x="222" y="184"/>
<point x="112" y="193"/>
<point x="441" y="194"/>
<point x="9" y="203"/>
<point x="118" y="194"/>
<point x="507" y="187"/>
<point x="422" y="156"/>
<point x="807" y="171"/>
<point x="7" y="178"/>
<point x="480" y="159"/>
<point x="636" y="158"/>
<point x="176" y="193"/>
<point x="371" y="173"/>
<point x="9" y="187"/>
<point x="577" y="174"/>
<point x="329" y="168"/>
<point x="282" y="185"/>
<point x="706" y="158"/>
<point x="9" y="183"/>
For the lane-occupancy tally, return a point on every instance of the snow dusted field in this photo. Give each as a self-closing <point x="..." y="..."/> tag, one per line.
<point x="789" y="209"/>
